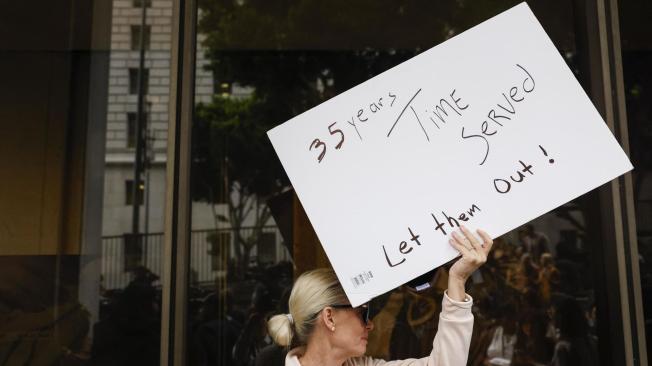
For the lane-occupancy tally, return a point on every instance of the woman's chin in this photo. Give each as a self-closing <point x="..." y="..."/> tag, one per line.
<point x="362" y="349"/>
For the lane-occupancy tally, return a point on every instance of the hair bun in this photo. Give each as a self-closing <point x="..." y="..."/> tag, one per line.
<point x="280" y="329"/>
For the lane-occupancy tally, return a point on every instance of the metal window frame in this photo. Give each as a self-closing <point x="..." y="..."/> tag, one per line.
<point x="176" y="256"/>
<point x="629" y="271"/>
<point x="622" y="337"/>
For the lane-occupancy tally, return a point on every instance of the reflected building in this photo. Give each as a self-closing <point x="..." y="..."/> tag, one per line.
<point x="121" y="142"/>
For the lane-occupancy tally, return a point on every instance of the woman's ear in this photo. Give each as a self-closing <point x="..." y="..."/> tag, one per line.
<point x="327" y="318"/>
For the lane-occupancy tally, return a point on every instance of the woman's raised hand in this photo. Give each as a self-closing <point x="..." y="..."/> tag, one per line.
<point x="474" y="252"/>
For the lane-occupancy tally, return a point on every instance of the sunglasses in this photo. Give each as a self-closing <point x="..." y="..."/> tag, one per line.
<point x="364" y="313"/>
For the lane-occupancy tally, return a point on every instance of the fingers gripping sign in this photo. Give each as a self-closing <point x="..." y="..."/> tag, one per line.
<point x="474" y="251"/>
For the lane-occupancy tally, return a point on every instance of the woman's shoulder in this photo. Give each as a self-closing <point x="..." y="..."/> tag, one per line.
<point x="364" y="361"/>
<point x="369" y="361"/>
<point x="292" y="357"/>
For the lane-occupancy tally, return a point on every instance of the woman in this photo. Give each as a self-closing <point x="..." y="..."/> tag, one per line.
<point x="329" y="332"/>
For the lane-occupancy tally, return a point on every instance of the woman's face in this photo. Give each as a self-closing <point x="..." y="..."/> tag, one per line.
<point x="351" y="333"/>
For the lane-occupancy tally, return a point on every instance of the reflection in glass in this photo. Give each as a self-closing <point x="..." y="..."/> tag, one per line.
<point x="534" y="300"/>
<point x="128" y="330"/>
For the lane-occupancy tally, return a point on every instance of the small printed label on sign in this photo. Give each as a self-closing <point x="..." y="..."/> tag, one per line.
<point x="362" y="279"/>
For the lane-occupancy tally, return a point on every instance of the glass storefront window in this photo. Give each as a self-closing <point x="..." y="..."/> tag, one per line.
<point x="82" y="224"/>
<point x="80" y="276"/>
<point x="535" y="300"/>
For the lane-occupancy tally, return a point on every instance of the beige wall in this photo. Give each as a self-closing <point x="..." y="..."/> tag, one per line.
<point x="41" y="132"/>
<point x="41" y="202"/>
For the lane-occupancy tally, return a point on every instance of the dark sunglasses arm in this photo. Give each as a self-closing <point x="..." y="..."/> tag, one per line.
<point x="365" y="310"/>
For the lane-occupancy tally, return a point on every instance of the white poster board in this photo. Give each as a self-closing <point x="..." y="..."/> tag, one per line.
<point x="490" y="129"/>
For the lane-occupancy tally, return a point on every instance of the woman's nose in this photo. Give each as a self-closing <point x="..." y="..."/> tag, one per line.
<point x="370" y="325"/>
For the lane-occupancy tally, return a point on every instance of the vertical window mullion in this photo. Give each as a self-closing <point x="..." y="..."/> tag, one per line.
<point x="177" y="215"/>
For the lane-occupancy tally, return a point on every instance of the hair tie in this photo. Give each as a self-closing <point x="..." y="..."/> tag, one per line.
<point x="289" y="316"/>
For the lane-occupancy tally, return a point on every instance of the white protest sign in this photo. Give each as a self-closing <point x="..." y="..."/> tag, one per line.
<point x="489" y="129"/>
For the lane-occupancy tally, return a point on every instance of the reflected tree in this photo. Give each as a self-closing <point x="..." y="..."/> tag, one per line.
<point x="293" y="55"/>
<point x="234" y="164"/>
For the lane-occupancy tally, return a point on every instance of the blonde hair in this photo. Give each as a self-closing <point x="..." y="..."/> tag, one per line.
<point x="312" y="292"/>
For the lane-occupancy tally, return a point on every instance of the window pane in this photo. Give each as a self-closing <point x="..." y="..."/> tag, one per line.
<point x="129" y="193"/>
<point x="131" y="129"/>
<point x="139" y="3"/>
<point x="132" y="126"/>
<point x="534" y="294"/>
<point x="135" y="37"/>
<point x="133" y="80"/>
<point x="80" y="276"/>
